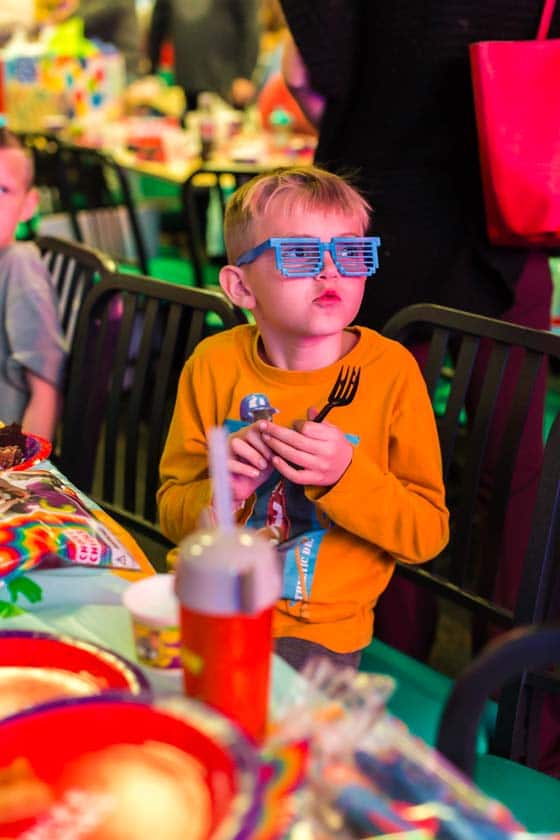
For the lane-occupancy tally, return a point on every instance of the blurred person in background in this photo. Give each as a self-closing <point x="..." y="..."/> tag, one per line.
<point x="389" y="87"/>
<point x="115" y="22"/>
<point x="215" y="44"/>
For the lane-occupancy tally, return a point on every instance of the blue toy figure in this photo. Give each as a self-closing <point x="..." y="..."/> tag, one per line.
<point x="256" y="407"/>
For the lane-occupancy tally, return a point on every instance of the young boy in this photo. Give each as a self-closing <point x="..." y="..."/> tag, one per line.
<point x="32" y="350"/>
<point x="350" y="495"/>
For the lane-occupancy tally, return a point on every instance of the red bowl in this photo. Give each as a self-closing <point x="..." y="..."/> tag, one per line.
<point x="34" y="649"/>
<point x="55" y="734"/>
<point x="36" y="449"/>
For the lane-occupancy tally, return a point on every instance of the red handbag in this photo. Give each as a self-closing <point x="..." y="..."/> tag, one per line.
<point x="516" y="87"/>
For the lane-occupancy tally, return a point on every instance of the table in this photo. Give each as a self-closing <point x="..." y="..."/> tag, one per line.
<point x="87" y="603"/>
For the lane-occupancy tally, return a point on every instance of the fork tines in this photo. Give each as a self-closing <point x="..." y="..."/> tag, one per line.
<point x="346" y="385"/>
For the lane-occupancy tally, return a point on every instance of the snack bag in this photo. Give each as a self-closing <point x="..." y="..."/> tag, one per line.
<point x="44" y="521"/>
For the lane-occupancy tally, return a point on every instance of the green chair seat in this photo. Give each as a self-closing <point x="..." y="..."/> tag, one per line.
<point x="420" y="692"/>
<point x="533" y="797"/>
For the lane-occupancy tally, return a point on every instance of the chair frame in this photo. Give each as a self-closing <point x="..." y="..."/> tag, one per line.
<point x="196" y="237"/>
<point x="517" y="655"/>
<point x="538" y="346"/>
<point x="96" y="398"/>
<point x="73" y="268"/>
<point x="103" y="160"/>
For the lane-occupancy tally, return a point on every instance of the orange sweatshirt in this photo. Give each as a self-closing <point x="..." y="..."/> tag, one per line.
<point x="388" y="505"/>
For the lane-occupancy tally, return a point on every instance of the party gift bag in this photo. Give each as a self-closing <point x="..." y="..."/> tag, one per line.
<point x="516" y="88"/>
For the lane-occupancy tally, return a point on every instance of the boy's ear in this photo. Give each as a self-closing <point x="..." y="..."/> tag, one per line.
<point x="232" y="281"/>
<point x="30" y="204"/>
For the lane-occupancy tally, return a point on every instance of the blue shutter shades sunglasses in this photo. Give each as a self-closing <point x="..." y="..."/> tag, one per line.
<point x="303" y="256"/>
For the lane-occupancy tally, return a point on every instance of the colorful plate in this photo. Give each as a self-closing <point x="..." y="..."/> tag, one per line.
<point x="30" y="649"/>
<point x="53" y="739"/>
<point x="36" y="449"/>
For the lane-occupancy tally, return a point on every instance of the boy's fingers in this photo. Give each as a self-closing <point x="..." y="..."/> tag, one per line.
<point x="317" y="431"/>
<point x="256" y="440"/>
<point x="248" y="453"/>
<point x="242" y="468"/>
<point x="301" y="476"/>
<point x="294" y="454"/>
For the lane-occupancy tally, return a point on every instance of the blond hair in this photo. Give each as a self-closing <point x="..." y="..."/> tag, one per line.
<point x="297" y="189"/>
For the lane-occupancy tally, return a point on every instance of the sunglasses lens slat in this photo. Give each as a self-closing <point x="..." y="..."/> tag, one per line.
<point x="355" y="257"/>
<point x="300" y="258"/>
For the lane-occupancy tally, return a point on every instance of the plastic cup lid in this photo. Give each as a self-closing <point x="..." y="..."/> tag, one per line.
<point x="153" y="601"/>
<point x="227" y="572"/>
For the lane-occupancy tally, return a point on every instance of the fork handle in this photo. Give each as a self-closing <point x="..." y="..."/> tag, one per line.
<point x="323" y="413"/>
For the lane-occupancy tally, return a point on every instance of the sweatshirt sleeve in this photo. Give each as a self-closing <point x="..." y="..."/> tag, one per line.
<point x="185" y="486"/>
<point x="400" y="509"/>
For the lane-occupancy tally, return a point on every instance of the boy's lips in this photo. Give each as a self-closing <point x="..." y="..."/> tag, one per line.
<point x="328" y="296"/>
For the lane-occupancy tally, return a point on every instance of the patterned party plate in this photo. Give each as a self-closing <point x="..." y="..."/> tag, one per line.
<point x="39" y="667"/>
<point x="36" y="449"/>
<point x="111" y="766"/>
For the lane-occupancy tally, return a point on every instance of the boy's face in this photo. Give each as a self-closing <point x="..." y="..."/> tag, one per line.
<point x="307" y="306"/>
<point x="17" y="200"/>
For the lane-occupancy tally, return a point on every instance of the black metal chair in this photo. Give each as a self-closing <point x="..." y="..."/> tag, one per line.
<point x="97" y="194"/>
<point x="515" y="665"/>
<point x="465" y="572"/>
<point x="514" y="661"/>
<point x="195" y="196"/>
<point x="132" y="338"/>
<point x="73" y="268"/>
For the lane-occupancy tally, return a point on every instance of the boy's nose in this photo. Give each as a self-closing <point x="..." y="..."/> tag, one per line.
<point x="329" y="268"/>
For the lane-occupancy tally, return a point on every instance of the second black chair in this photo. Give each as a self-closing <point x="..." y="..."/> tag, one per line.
<point x="132" y="337"/>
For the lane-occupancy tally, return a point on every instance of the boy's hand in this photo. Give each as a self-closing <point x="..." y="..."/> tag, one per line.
<point x="310" y="453"/>
<point x="250" y="462"/>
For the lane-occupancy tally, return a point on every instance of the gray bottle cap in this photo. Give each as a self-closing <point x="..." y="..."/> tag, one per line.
<point x="227" y="572"/>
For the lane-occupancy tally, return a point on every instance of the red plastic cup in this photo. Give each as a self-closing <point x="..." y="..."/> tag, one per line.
<point x="227" y="583"/>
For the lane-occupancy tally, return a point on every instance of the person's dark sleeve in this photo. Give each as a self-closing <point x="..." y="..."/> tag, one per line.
<point x="327" y="34"/>
<point x="160" y="25"/>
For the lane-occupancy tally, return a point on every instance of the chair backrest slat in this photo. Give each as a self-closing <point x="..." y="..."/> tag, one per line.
<point x="159" y="419"/>
<point x="448" y="425"/>
<point x="73" y="268"/>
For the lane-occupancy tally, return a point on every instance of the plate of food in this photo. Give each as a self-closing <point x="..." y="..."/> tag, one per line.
<point x="39" y="667"/>
<point x="20" y="450"/>
<point x="107" y="767"/>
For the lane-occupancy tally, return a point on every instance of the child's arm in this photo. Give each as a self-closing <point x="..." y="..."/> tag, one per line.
<point x="42" y="410"/>
<point x="186" y="489"/>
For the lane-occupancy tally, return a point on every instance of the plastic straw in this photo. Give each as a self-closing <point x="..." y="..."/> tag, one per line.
<point x="218" y="454"/>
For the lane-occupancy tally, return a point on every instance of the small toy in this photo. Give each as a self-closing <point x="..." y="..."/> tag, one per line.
<point x="256" y="407"/>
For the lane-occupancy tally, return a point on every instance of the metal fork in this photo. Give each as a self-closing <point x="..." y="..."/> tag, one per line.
<point x="343" y="391"/>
